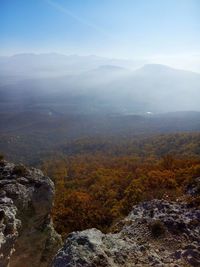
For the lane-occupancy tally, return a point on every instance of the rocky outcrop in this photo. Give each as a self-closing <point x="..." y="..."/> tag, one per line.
<point x="27" y="236"/>
<point x="156" y="233"/>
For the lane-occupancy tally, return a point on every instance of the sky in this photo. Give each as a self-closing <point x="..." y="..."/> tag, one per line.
<point x="112" y="28"/>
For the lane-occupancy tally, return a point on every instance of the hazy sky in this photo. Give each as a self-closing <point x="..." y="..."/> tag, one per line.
<point x="114" y="28"/>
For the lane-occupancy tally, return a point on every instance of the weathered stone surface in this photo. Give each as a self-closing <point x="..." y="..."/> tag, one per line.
<point x="156" y="233"/>
<point x="27" y="236"/>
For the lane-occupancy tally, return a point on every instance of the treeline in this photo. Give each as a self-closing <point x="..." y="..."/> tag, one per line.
<point x="180" y="144"/>
<point x="96" y="186"/>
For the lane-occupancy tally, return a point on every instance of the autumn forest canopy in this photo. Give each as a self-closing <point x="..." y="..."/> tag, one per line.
<point x="99" y="182"/>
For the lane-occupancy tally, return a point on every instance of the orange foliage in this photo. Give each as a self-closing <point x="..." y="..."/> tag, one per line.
<point x="95" y="190"/>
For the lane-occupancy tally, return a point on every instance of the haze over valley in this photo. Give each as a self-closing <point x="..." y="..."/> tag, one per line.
<point x="53" y="99"/>
<point x="92" y="84"/>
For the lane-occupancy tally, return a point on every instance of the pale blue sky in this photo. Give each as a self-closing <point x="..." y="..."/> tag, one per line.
<point x="114" y="28"/>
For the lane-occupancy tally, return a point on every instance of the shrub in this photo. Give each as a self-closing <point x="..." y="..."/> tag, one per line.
<point x="19" y="170"/>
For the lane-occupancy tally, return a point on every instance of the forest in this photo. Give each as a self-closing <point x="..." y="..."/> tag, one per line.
<point x="98" y="181"/>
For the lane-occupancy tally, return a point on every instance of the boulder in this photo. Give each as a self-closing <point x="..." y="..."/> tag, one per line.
<point x="27" y="236"/>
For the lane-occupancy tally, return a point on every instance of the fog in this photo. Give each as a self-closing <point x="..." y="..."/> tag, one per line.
<point x="91" y="84"/>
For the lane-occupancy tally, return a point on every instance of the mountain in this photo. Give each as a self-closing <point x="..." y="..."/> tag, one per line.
<point x="28" y="66"/>
<point x="110" y="68"/>
<point x="161" y="88"/>
<point x="108" y="89"/>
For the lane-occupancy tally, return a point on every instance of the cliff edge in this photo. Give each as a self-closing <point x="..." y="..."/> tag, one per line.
<point x="27" y="236"/>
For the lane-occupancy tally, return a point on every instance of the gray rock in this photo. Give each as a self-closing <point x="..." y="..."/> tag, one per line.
<point x="135" y="244"/>
<point x="27" y="236"/>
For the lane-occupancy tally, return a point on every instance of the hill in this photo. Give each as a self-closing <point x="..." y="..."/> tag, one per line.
<point x="106" y="89"/>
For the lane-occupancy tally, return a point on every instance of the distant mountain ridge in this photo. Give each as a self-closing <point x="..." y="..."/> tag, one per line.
<point x="30" y="65"/>
<point x="93" y="84"/>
